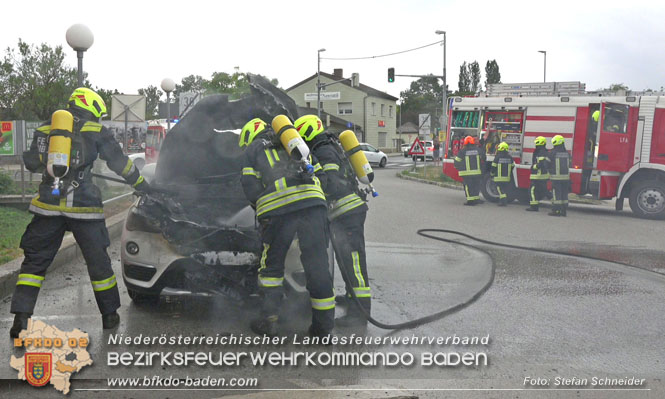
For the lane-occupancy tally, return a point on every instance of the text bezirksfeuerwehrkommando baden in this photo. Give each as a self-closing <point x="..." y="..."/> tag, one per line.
<point x="267" y="353"/>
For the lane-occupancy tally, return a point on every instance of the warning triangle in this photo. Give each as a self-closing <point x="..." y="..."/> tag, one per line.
<point x="417" y="148"/>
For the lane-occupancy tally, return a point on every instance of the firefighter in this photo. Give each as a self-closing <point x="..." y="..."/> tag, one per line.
<point x="77" y="208"/>
<point x="287" y="201"/>
<point x="539" y="174"/>
<point x="502" y="171"/>
<point x="559" y="162"/>
<point x="469" y="163"/>
<point x="347" y="211"/>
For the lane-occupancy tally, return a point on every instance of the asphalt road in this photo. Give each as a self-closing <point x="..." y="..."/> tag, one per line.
<point x="547" y="316"/>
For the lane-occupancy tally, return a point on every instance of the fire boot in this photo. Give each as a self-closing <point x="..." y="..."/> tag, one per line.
<point x="503" y="202"/>
<point x="20" y="324"/>
<point x="532" y="208"/>
<point x="265" y="326"/>
<point x="354" y="315"/>
<point x="556" y="211"/>
<point x="471" y="203"/>
<point x="563" y="211"/>
<point x="110" y="320"/>
<point x="342" y="300"/>
<point x="316" y="332"/>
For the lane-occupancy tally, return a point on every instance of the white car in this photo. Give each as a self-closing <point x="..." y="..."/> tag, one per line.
<point x="374" y="155"/>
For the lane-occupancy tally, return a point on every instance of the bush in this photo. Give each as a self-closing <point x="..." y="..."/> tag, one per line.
<point x="6" y="183"/>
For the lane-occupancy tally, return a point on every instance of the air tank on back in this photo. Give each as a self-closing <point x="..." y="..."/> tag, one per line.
<point x="59" y="148"/>
<point x="291" y="141"/>
<point x="357" y="159"/>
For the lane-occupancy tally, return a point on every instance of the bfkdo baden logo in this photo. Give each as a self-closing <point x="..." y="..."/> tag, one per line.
<point x="38" y="368"/>
<point x="51" y="355"/>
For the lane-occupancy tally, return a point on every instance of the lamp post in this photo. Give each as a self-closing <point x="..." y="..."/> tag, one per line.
<point x="544" y="64"/>
<point x="318" y="82"/>
<point x="444" y="118"/>
<point x="80" y="38"/>
<point x="168" y="85"/>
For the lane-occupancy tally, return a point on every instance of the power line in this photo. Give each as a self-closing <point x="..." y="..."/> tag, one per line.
<point x="383" y="55"/>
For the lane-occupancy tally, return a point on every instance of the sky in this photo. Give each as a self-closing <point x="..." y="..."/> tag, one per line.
<point x="139" y="43"/>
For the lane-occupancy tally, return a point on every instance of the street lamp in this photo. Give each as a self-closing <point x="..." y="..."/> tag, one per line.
<point x="318" y="82"/>
<point x="444" y="118"/>
<point x="168" y="85"/>
<point x="80" y="38"/>
<point x="544" y="64"/>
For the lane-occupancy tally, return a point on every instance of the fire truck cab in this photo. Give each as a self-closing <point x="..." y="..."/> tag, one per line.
<point x="620" y="155"/>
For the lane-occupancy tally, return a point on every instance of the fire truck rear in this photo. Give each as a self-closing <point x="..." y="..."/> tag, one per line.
<point x="621" y="155"/>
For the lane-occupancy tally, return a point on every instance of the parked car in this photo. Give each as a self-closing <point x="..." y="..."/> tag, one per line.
<point x="374" y="155"/>
<point x="195" y="234"/>
<point x="405" y="150"/>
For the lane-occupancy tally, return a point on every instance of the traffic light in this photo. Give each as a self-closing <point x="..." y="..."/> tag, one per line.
<point x="391" y="75"/>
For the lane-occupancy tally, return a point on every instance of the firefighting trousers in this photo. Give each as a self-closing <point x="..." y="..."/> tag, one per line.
<point x="277" y="233"/>
<point x="40" y="244"/>
<point x="560" y="194"/>
<point x="348" y="239"/>
<point x="472" y="187"/>
<point x="537" y="191"/>
<point x="503" y="188"/>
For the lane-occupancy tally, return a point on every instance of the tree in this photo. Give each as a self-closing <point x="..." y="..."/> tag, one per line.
<point x="474" y="75"/>
<point x="152" y="95"/>
<point x="190" y="83"/>
<point x="34" y="81"/>
<point x="492" y="74"/>
<point x="422" y="97"/>
<point x="107" y="96"/>
<point x="464" y="82"/>
<point x="614" y="87"/>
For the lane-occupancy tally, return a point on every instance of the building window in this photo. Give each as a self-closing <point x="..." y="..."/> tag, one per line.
<point x="382" y="139"/>
<point x="373" y="109"/>
<point x="383" y="107"/>
<point x="309" y="104"/>
<point x="344" y="108"/>
<point x="390" y="111"/>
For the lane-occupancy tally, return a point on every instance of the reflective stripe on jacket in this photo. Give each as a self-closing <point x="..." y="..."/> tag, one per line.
<point x="502" y="167"/>
<point x="559" y="163"/>
<point x="468" y="161"/>
<point x="539" y="169"/>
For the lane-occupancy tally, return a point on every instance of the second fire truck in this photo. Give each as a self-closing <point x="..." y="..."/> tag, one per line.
<point x="621" y="155"/>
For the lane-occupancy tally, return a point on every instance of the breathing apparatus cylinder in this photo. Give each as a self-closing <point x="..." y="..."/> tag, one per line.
<point x="357" y="159"/>
<point x="59" y="147"/>
<point x="291" y="141"/>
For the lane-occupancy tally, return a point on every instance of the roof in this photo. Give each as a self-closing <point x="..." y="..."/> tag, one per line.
<point x="333" y="119"/>
<point x="408" y="127"/>
<point x="370" y="91"/>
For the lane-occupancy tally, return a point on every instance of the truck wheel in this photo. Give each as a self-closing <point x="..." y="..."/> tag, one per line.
<point x="488" y="188"/>
<point x="647" y="199"/>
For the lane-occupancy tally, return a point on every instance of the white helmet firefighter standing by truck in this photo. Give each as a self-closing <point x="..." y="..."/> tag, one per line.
<point x="64" y="151"/>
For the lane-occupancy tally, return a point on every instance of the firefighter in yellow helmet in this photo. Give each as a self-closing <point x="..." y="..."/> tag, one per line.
<point x="347" y="212"/>
<point x="77" y="208"/>
<point x="559" y="162"/>
<point x="287" y="201"/>
<point x="502" y="172"/>
<point x="539" y="174"/>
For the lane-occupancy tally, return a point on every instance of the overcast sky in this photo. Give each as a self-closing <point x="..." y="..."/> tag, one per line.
<point x="138" y="43"/>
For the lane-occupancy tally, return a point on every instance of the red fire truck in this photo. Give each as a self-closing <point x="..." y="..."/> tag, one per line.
<point x="622" y="155"/>
<point x="153" y="140"/>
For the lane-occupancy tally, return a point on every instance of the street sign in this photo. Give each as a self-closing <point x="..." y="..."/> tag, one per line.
<point x="424" y="124"/>
<point x="417" y="148"/>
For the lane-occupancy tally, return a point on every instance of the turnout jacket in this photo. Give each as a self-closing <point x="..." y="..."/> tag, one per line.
<point x="341" y="189"/>
<point x="502" y="166"/>
<point x="540" y="167"/>
<point x="559" y="162"/>
<point x="469" y="160"/>
<point x="274" y="184"/>
<point x="79" y="198"/>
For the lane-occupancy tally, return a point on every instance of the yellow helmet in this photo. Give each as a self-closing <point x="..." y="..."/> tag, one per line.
<point x="503" y="146"/>
<point x="595" y="115"/>
<point x="86" y="99"/>
<point x="309" y="126"/>
<point x="540" y="140"/>
<point x="250" y="130"/>
<point x="557" y="140"/>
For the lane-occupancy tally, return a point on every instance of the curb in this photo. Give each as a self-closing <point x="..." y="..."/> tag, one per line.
<point x="68" y="252"/>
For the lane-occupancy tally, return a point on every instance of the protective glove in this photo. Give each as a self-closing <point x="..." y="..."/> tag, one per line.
<point x="142" y="185"/>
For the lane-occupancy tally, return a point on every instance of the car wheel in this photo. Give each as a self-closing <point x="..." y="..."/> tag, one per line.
<point x="647" y="199"/>
<point x="382" y="163"/>
<point x="142" y="299"/>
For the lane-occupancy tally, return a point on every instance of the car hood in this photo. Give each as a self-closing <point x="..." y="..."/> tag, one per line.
<point x="200" y="202"/>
